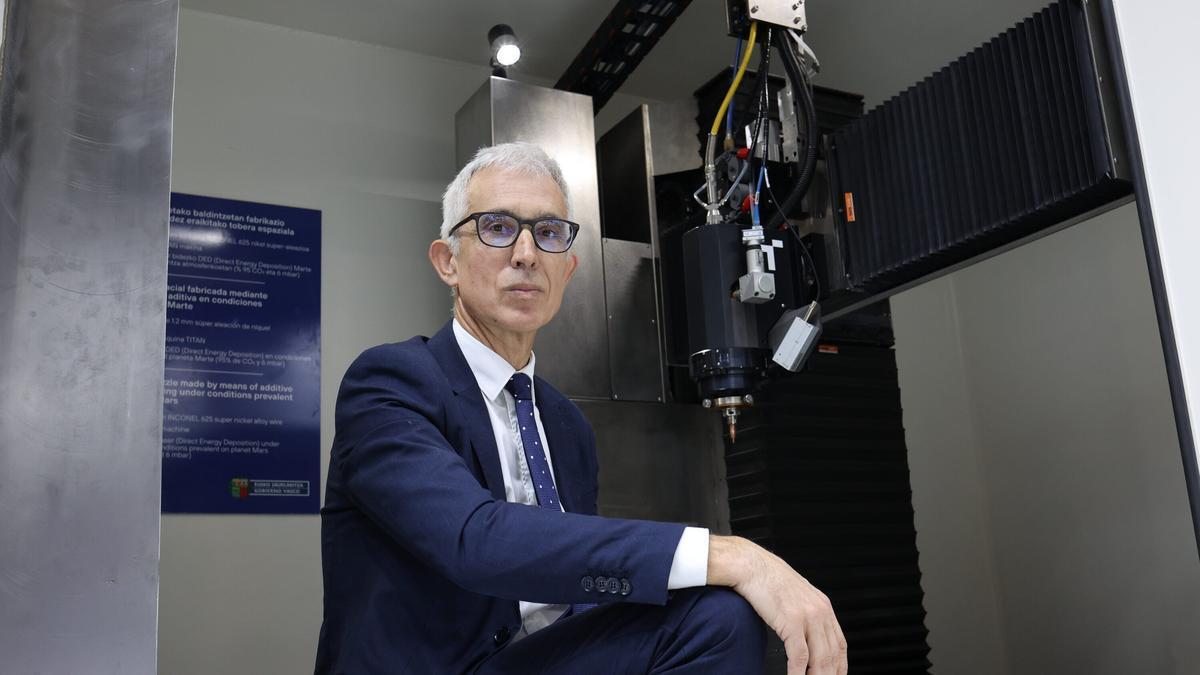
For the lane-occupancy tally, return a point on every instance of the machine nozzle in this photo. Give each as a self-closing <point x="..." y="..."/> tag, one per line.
<point x="730" y="407"/>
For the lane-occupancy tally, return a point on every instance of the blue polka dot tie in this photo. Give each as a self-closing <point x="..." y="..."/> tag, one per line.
<point x="521" y="389"/>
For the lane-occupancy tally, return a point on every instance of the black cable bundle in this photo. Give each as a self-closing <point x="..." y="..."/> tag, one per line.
<point x="760" y="95"/>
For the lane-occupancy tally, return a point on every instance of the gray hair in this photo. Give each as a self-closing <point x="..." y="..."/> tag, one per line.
<point x="524" y="158"/>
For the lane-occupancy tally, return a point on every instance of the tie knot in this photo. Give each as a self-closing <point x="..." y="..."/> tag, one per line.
<point x="520" y="387"/>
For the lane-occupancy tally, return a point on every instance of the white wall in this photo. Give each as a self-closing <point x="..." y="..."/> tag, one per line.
<point x="365" y="134"/>
<point x="1051" y="360"/>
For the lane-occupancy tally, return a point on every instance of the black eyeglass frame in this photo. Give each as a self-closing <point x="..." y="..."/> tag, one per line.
<point x="521" y="225"/>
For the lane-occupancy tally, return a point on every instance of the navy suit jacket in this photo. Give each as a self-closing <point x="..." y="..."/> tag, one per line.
<point x="423" y="559"/>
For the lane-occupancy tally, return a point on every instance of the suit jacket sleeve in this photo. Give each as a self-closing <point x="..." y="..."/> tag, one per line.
<point x="593" y="472"/>
<point x="397" y="467"/>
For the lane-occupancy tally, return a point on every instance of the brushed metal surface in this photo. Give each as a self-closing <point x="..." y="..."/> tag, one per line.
<point x="473" y="125"/>
<point x="634" y="342"/>
<point x="674" y="133"/>
<point x="85" y="147"/>
<point x="660" y="462"/>
<point x="632" y="271"/>
<point x="572" y="349"/>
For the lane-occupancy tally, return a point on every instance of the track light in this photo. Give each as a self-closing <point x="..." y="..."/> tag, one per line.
<point x="505" y="49"/>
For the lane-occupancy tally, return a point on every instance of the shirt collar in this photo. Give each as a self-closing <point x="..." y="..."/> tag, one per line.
<point x="491" y="371"/>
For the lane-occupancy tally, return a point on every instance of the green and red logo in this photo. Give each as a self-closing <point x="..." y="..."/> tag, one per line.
<point x="239" y="487"/>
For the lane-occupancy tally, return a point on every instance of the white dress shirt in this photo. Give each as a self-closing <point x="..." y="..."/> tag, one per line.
<point x="689" y="567"/>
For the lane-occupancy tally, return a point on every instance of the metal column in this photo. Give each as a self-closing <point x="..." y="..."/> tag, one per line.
<point x="85" y="149"/>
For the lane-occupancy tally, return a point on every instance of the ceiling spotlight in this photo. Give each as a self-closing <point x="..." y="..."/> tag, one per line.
<point x="505" y="49"/>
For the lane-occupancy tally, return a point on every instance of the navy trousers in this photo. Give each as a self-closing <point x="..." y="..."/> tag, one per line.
<point x="699" y="630"/>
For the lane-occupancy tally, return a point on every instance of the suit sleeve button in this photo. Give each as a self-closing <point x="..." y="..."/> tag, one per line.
<point x="502" y="636"/>
<point x="601" y="584"/>
<point x="588" y="584"/>
<point x="626" y="587"/>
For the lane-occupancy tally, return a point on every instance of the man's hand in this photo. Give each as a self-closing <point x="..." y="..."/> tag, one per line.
<point x="799" y="613"/>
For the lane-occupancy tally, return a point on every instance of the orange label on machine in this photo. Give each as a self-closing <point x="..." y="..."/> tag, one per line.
<point x="849" y="207"/>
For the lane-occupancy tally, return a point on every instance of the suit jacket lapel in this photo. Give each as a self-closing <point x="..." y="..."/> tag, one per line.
<point x="564" y="442"/>
<point x="472" y="410"/>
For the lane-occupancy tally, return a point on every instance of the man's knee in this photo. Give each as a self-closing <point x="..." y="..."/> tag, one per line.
<point x="726" y="615"/>
<point x="712" y="630"/>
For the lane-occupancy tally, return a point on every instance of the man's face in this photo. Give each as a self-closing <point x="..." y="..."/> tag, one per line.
<point x="516" y="289"/>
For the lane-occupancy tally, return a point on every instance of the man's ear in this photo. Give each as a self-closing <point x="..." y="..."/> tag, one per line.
<point x="571" y="267"/>
<point x="444" y="262"/>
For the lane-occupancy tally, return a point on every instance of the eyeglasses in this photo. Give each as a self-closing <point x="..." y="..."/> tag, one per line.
<point x="500" y="230"/>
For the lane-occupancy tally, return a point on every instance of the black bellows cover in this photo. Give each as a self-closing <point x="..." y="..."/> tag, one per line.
<point x="1006" y="141"/>
<point x="819" y="475"/>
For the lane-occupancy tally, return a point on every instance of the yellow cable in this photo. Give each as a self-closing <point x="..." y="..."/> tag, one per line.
<point x="737" y="78"/>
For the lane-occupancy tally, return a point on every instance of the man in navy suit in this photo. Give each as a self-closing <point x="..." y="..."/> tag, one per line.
<point x="459" y="532"/>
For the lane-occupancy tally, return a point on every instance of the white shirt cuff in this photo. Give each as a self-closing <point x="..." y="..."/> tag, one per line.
<point x="689" y="568"/>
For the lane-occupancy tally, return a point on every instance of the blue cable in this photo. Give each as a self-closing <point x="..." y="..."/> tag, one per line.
<point x="733" y="73"/>
<point x="757" y="189"/>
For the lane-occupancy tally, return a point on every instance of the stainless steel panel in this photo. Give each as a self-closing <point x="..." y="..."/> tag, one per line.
<point x="473" y="125"/>
<point x="675" y="137"/>
<point x="633" y="286"/>
<point x="660" y="462"/>
<point x="572" y="350"/>
<point x="85" y="142"/>
<point x="634" y="340"/>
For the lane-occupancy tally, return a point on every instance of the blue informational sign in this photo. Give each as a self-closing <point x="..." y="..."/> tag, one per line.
<point x="242" y="389"/>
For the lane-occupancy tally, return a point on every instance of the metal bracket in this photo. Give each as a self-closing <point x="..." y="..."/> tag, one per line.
<point x="783" y="13"/>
